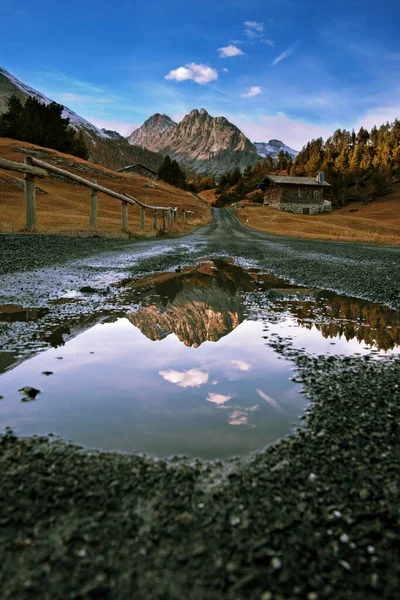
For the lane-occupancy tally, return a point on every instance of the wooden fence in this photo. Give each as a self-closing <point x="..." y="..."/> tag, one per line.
<point x="32" y="168"/>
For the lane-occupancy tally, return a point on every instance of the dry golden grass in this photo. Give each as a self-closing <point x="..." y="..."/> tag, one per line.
<point x="65" y="206"/>
<point x="378" y="222"/>
<point x="208" y="195"/>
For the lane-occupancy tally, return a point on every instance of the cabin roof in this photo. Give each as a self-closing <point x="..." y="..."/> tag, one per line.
<point x="286" y="180"/>
<point x="136" y="165"/>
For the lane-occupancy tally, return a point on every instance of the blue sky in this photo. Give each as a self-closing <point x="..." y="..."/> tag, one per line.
<point x="287" y="69"/>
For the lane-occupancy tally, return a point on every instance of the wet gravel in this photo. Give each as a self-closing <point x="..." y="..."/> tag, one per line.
<point x="314" y="516"/>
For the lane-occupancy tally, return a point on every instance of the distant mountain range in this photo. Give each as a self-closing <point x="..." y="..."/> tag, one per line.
<point x="200" y="142"/>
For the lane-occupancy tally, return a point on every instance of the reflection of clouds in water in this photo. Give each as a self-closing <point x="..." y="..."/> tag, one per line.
<point x="270" y="400"/>
<point x="241" y="365"/>
<point x="240" y="416"/>
<point x="215" y="382"/>
<point x="218" y="399"/>
<point x="191" y="378"/>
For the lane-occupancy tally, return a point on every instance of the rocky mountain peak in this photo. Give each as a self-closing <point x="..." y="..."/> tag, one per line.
<point x="153" y="126"/>
<point x="201" y="142"/>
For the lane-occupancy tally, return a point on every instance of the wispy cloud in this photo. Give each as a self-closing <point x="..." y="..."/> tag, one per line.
<point x="191" y="378"/>
<point x="197" y="72"/>
<point x="253" y="29"/>
<point x="255" y="90"/>
<point x="270" y="400"/>
<point x="81" y="98"/>
<point x="122" y="127"/>
<point x="230" y="51"/>
<point x="225" y="70"/>
<point x="285" y="54"/>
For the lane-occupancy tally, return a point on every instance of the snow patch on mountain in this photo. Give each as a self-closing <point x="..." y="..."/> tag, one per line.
<point x="76" y="121"/>
<point x="272" y="148"/>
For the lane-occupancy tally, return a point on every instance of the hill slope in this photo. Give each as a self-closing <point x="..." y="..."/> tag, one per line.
<point x="377" y="222"/>
<point x="64" y="206"/>
<point x="107" y="148"/>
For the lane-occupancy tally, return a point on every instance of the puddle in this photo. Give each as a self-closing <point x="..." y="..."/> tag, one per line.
<point x="194" y="365"/>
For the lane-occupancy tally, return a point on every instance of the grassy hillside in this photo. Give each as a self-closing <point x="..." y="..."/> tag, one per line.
<point x="377" y="222"/>
<point x="64" y="206"/>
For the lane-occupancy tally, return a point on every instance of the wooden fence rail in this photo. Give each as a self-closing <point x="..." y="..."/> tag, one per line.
<point x="33" y="167"/>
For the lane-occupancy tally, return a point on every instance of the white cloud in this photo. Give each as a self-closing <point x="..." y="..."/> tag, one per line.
<point x="229" y="51"/>
<point x="199" y="73"/>
<point x="255" y="90"/>
<point x="253" y="29"/>
<point x="218" y="399"/>
<point x="267" y="42"/>
<point x="191" y="378"/>
<point x="241" y="365"/>
<point x="284" y="54"/>
<point x="225" y="70"/>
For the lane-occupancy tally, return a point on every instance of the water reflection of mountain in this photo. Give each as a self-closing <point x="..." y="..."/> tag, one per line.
<point x="197" y="304"/>
<point x="207" y="302"/>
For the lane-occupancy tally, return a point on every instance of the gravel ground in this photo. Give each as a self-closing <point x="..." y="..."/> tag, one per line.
<point x="314" y="516"/>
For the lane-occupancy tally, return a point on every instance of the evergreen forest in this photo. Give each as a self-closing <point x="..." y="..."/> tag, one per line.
<point x="43" y="125"/>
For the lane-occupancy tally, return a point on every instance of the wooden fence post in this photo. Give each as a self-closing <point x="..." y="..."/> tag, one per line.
<point x="183" y="216"/>
<point x="30" y="201"/>
<point x="142" y="217"/>
<point x="154" y="219"/>
<point x="124" y="216"/>
<point x="93" y="206"/>
<point x="175" y="215"/>
<point x="164" y="219"/>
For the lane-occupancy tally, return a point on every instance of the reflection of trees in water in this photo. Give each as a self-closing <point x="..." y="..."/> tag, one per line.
<point x="352" y="318"/>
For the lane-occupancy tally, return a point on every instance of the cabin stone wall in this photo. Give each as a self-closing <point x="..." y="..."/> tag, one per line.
<point x="306" y="209"/>
<point x="301" y="200"/>
<point x="272" y="196"/>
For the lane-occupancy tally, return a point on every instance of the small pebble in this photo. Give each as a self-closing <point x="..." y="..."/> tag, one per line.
<point x="276" y="563"/>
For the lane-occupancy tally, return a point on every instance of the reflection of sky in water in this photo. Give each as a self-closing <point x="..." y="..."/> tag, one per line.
<point x="116" y="389"/>
<point x="160" y="397"/>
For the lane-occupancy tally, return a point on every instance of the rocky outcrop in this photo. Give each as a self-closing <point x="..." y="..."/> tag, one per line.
<point x="201" y="142"/>
<point x="155" y="125"/>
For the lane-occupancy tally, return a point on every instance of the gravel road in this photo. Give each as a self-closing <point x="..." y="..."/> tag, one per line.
<point x="314" y="516"/>
<point x="366" y="271"/>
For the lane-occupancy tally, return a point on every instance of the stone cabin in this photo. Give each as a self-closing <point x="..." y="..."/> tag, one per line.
<point x="303" y="195"/>
<point x="139" y="169"/>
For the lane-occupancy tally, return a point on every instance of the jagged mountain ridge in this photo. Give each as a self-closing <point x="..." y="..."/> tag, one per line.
<point x="203" y="143"/>
<point x="154" y="125"/>
<point x="107" y="148"/>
